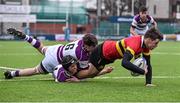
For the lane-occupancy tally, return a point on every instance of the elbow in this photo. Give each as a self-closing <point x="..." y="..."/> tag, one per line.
<point x="131" y="30"/>
<point x="124" y="63"/>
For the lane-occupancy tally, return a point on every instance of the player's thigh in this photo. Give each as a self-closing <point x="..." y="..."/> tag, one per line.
<point x="39" y="69"/>
<point x="50" y="60"/>
<point x="96" y="58"/>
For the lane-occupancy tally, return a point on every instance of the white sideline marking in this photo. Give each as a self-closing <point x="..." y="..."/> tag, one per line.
<point x="138" y="77"/>
<point x="17" y="54"/>
<point x="25" y="79"/>
<point x="7" y="68"/>
<point x="29" y="54"/>
<point x="165" y="53"/>
<point x="106" y="77"/>
<point x="100" y="77"/>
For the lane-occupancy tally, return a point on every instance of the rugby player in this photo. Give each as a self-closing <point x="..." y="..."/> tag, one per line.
<point x="125" y="49"/>
<point x="140" y="22"/>
<point x="79" y="49"/>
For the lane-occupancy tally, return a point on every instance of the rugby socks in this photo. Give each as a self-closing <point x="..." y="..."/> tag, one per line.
<point x="15" y="73"/>
<point x="35" y="43"/>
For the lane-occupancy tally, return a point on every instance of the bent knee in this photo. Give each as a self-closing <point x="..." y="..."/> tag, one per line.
<point x="38" y="70"/>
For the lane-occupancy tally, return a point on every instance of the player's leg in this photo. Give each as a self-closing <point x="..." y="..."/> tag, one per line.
<point x="35" y="43"/>
<point x="25" y="72"/>
<point x="46" y="66"/>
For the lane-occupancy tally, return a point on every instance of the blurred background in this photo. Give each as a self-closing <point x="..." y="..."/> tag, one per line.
<point x="107" y="19"/>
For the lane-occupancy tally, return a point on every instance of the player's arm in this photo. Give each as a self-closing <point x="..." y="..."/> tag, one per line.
<point x="153" y="22"/>
<point x="87" y="73"/>
<point x="73" y="79"/>
<point x="62" y="76"/>
<point x="133" y="26"/>
<point x="149" y="74"/>
<point x="106" y="70"/>
<point x="132" y="31"/>
<point x="130" y="66"/>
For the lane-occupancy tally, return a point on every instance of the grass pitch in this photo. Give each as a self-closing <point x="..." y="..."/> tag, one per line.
<point x="117" y="86"/>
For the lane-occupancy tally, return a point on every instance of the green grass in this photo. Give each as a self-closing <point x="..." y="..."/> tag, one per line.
<point x="42" y="88"/>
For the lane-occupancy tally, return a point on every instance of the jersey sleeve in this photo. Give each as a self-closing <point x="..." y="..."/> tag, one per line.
<point x="134" y="23"/>
<point x="151" y="20"/>
<point x="132" y="46"/>
<point x="130" y="66"/>
<point x="60" y="75"/>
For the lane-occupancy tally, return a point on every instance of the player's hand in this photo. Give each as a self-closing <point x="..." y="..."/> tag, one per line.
<point x="150" y="85"/>
<point x="108" y="69"/>
<point x="73" y="79"/>
<point x="105" y="71"/>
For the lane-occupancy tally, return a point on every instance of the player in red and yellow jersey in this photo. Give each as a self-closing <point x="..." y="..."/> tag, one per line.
<point x="125" y="49"/>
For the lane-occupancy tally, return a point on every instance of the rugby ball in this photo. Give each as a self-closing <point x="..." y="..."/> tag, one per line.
<point x="139" y="62"/>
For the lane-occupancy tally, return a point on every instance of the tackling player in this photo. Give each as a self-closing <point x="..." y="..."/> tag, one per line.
<point x="79" y="49"/>
<point x="140" y="22"/>
<point x="65" y="71"/>
<point x="125" y="49"/>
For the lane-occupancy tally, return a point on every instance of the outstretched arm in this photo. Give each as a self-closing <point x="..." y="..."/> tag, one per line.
<point x="153" y="22"/>
<point x="149" y="74"/>
<point x="73" y="79"/>
<point x="88" y="73"/>
<point x="105" y="71"/>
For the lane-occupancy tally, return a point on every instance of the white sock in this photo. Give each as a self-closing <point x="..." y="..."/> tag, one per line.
<point x="13" y="73"/>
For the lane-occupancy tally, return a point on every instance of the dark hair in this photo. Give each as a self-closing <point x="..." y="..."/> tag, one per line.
<point x="142" y="9"/>
<point x="90" y="40"/>
<point x="67" y="61"/>
<point x="154" y="34"/>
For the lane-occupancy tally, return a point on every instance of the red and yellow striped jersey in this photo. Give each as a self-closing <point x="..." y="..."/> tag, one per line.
<point x="115" y="49"/>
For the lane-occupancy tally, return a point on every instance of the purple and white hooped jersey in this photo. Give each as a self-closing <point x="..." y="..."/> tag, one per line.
<point x="60" y="74"/>
<point x="76" y="50"/>
<point x="138" y="24"/>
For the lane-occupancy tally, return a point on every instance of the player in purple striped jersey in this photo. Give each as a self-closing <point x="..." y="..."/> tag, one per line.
<point x="79" y="49"/>
<point x="140" y="22"/>
<point x="65" y="72"/>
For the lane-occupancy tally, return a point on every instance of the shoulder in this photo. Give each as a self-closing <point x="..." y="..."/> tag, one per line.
<point x="133" y="42"/>
<point x="60" y="74"/>
<point x="149" y="18"/>
<point x="136" y="18"/>
<point x="133" y="38"/>
<point x="76" y="42"/>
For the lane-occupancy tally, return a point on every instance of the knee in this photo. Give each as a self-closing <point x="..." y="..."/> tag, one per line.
<point x="42" y="49"/>
<point x="37" y="70"/>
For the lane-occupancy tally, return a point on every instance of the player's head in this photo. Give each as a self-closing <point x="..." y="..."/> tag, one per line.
<point x="143" y="13"/>
<point x="69" y="63"/>
<point x="152" y="38"/>
<point x="90" y="42"/>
